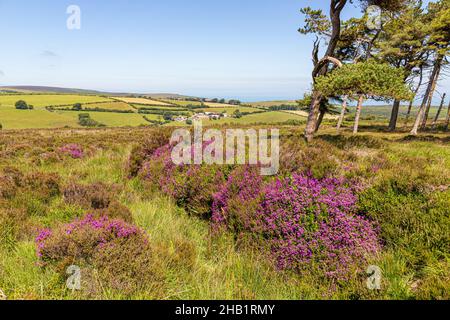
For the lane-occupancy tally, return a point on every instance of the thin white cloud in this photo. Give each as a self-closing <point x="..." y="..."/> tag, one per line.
<point x="49" y="54"/>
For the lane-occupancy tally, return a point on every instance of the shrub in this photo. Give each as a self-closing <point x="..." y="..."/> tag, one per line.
<point x="192" y="186"/>
<point x="21" y="105"/>
<point x="237" y="200"/>
<point x="120" y="252"/>
<point x="99" y="198"/>
<point x="313" y="221"/>
<point x="73" y="150"/>
<point x="42" y="186"/>
<point x="85" y="120"/>
<point x="305" y="221"/>
<point x="143" y="151"/>
<point x="299" y="157"/>
<point x="116" y="210"/>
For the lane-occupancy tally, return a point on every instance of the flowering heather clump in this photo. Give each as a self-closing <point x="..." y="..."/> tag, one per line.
<point x="146" y="149"/>
<point x="73" y="150"/>
<point x="236" y="202"/>
<point x="192" y="186"/>
<point x="309" y="220"/>
<point x="120" y="253"/>
<point x="304" y="220"/>
<point x="82" y="239"/>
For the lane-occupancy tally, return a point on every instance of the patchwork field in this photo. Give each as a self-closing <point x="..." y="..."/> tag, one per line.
<point x="33" y="119"/>
<point x="131" y="111"/>
<point x="44" y="100"/>
<point x="141" y="101"/>
<point x="183" y="103"/>
<point x="229" y="110"/>
<point x="267" y="104"/>
<point x="271" y="117"/>
<point x="120" y="106"/>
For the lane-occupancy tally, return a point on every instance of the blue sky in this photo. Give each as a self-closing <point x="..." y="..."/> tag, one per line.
<point x="249" y="49"/>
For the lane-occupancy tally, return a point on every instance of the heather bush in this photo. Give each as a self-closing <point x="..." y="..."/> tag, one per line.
<point x="33" y="192"/>
<point x="8" y="188"/>
<point x="236" y="202"/>
<point x="45" y="186"/>
<point x="92" y="196"/>
<point x="73" y="150"/>
<point x="143" y="151"/>
<point x="304" y="221"/>
<point x="192" y="186"/>
<point x="299" y="157"/>
<point x="313" y="221"/>
<point x="99" y="198"/>
<point x="120" y="253"/>
<point x="116" y="210"/>
<point x="354" y="141"/>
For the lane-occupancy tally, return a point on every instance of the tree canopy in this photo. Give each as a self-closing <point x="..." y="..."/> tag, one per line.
<point x="372" y="79"/>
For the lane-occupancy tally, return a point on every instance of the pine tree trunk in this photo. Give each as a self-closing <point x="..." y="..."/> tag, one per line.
<point x="335" y="16"/>
<point x="394" y="115"/>
<point x="342" y="116"/>
<point x="433" y="88"/>
<point x="312" y="117"/>
<point x="421" y="113"/>
<point x="439" y="111"/>
<point x="319" y="121"/>
<point x="415" y="95"/>
<point x="408" y="113"/>
<point x="447" y="120"/>
<point x="358" y="114"/>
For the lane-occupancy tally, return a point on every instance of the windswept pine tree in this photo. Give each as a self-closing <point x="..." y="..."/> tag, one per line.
<point x="403" y="45"/>
<point x="364" y="80"/>
<point x="329" y="28"/>
<point x="438" y="20"/>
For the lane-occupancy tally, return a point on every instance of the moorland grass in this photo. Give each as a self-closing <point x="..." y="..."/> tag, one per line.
<point x="408" y="196"/>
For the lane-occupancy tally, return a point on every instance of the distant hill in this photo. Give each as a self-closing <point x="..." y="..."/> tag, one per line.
<point x="60" y="90"/>
<point x="43" y="89"/>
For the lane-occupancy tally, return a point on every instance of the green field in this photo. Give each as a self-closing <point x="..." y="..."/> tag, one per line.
<point x="271" y="117"/>
<point x="183" y="103"/>
<point x="229" y="110"/>
<point x="35" y="119"/>
<point x="43" y="100"/>
<point x="121" y="106"/>
<point x="10" y="118"/>
<point x="267" y="104"/>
